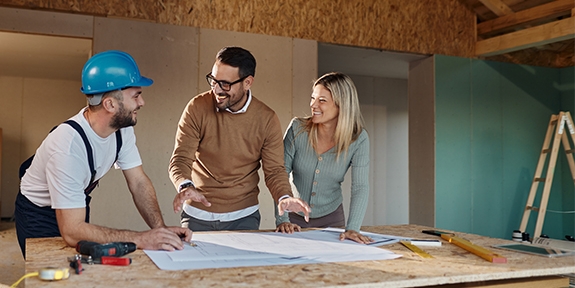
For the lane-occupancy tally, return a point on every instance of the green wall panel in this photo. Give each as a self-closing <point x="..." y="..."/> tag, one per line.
<point x="486" y="148"/>
<point x="453" y="131"/>
<point x="491" y="120"/>
<point x="567" y="88"/>
<point x="530" y="101"/>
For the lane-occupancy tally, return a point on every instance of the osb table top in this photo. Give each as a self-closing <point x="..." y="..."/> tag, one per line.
<point x="451" y="264"/>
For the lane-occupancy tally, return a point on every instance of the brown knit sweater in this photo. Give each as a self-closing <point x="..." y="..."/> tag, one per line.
<point x="221" y="152"/>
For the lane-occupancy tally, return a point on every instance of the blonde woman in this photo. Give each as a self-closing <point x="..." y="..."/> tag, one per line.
<point x="319" y="150"/>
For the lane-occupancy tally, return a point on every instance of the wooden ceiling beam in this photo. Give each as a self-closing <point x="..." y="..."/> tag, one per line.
<point x="484" y="14"/>
<point x="527" y="38"/>
<point x="497" y="7"/>
<point x="549" y="10"/>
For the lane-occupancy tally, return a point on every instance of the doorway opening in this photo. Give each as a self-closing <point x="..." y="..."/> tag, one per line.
<point x="381" y="81"/>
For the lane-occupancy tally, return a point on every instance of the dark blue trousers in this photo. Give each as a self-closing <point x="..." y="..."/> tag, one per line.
<point x="33" y="221"/>
<point x="37" y="222"/>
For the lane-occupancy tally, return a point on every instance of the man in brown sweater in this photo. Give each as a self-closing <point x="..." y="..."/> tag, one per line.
<point x="222" y="136"/>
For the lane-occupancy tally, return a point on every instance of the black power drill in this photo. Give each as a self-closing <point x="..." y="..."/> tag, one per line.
<point x="97" y="250"/>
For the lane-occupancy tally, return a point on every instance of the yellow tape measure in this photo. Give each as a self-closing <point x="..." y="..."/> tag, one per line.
<point x="51" y="274"/>
<point x="415" y="249"/>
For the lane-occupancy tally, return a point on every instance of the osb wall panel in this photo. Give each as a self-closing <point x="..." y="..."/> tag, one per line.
<point x="425" y="27"/>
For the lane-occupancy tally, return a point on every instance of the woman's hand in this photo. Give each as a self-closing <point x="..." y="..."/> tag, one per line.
<point x="355" y="236"/>
<point x="287" y="227"/>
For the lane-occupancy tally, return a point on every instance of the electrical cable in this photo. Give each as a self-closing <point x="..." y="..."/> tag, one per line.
<point x="49" y="274"/>
<point x="560" y="212"/>
<point x="32" y="274"/>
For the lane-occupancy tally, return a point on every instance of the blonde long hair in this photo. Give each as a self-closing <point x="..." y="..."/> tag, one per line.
<point x="349" y="121"/>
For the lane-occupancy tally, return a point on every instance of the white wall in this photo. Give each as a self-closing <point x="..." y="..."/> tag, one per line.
<point x="384" y="108"/>
<point x="29" y="108"/>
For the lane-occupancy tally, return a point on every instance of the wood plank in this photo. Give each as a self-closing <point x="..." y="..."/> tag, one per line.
<point x="484" y="13"/>
<point x="552" y="9"/>
<point x="497" y="7"/>
<point x="531" y="37"/>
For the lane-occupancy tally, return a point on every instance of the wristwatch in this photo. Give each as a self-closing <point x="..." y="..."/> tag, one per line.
<point x="185" y="185"/>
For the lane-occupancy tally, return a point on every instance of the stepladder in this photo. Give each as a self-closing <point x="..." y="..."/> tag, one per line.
<point x="560" y="125"/>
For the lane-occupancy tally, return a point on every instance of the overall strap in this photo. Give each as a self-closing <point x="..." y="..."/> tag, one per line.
<point x="118" y="144"/>
<point x="77" y="127"/>
<point x="92" y="185"/>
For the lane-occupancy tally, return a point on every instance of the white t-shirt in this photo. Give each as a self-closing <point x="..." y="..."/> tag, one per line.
<point x="60" y="171"/>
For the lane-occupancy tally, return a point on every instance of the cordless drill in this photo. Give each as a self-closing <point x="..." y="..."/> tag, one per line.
<point x="97" y="250"/>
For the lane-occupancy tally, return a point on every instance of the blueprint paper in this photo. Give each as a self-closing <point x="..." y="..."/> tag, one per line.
<point x="236" y="249"/>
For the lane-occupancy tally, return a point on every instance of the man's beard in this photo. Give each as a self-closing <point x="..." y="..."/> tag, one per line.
<point x="122" y="118"/>
<point x="227" y="104"/>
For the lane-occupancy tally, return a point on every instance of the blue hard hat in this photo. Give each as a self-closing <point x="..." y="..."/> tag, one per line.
<point x="111" y="70"/>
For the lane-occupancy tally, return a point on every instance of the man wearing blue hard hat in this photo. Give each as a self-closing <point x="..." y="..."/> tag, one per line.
<point x="54" y="197"/>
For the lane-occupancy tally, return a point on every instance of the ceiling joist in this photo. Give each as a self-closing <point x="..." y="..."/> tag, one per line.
<point x="527" y="38"/>
<point x="550" y="10"/>
<point x="497" y="7"/>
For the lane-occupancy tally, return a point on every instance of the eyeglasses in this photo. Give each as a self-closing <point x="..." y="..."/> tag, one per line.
<point x="225" y="85"/>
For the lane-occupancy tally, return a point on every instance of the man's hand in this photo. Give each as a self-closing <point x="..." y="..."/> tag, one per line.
<point x="287" y="227"/>
<point x="165" y="238"/>
<point x="185" y="234"/>
<point x="294" y="205"/>
<point x="355" y="236"/>
<point x="189" y="193"/>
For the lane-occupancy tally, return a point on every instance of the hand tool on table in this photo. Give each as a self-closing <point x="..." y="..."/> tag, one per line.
<point x="106" y="254"/>
<point x="467" y="245"/>
<point x="104" y="260"/>
<point x="415" y="249"/>
<point x="76" y="263"/>
<point x="97" y="250"/>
